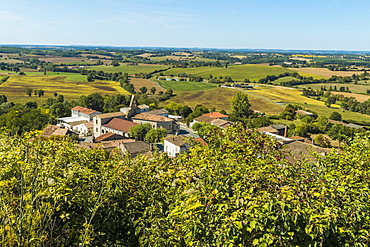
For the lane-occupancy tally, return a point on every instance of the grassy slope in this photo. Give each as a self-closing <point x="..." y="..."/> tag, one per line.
<point x="359" y="88"/>
<point x="14" y="88"/>
<point x="132" y="69"/>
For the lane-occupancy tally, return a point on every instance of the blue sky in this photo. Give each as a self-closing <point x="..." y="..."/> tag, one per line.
<point x="265" y="24"/>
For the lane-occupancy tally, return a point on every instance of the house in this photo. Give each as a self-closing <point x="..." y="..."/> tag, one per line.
<point x="84" y="129"/>
<point x="281" y="128"/>
<point x="202" y="119"/>
<point x="216" y="115"/>
<point x="221" y="123"/>
<point x="118" y="126"/>
<point x="298" y="151"/>
<point x="53" y="130"/>
<point x="174" y="145"/>
<point x="157" y="121"/>
<point x="106" y="145"/>
<point x="268" y="129"/>
<point x="101" y="119"/>
<point x="79" y="111"/>
<point x="136" y="148"/>
<point x="108" y="137"/>
<point x="279" y="138"/>
<point x="79" y="115"/>
<point x="142" y="108"/>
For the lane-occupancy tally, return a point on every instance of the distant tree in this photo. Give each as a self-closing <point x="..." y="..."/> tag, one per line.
<point x="143" y="89"/>
<point x="139" y="131"/>
<point x="115" y="63"/>
<point x="156" y="135"/>
<point x="95" y="101"/>
<point x="152" y="90"/>
<point x="29" y="91"/>
<point x="3" y="99"/>
<point x="322" y="141"/>
<point x="21" y="73"/>
<point x="331" y="100"/>
<point x="31" y="104"/>
<point x="240" y="105"/>
<point x="40" y="92"/>
<point x="335" y="116"/>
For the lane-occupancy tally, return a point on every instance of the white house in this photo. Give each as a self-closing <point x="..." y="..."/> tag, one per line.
<point x="84" y="129"/>
<point x="174" y="145"/>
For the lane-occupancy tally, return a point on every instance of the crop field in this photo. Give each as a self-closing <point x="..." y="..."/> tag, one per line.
<point x="182" y="86"/>
<point x="236" y="72"/>
<point x="217" y="97"/>
<point x="138" y="83"/>
<point x="130" y="69"/>
<point x="65" y="60"/>
<point x="323" y="72"/>
<point x="284" y="79"/>
<point x="14" y="88"/>
<point x="220" y="99"/>
<point x="359" y="97"/>
<point x="354" y="88"/>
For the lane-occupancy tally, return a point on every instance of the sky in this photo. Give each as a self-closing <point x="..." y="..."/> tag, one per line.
<point x="257" y="24"/>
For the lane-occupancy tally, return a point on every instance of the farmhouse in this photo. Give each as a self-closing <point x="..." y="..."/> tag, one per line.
<point x="174" y="145"/>
<point x="84" y="129"/>
<point x="157" y="121"/>
<point x="216" y="115"/>
<point x="136" y="148"/>
<point x="118" y="126"/>
<point x="53" y="130"/>
<point x="79" y="115"/>
<point x="100" y="120"/>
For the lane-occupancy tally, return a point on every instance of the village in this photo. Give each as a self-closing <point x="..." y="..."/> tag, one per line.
<point x="111" y="131"/>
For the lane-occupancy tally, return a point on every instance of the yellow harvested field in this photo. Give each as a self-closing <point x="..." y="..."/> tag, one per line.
<point x="145" y="55"/>
<point x="359" y="97"/>
<point x="325" y="72"/>
<point x="15" y="88"/>
<point x="239" y="56"/>
<point x="138" y="83"/>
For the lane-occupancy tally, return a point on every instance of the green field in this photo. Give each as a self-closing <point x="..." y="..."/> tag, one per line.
<point x="354" y="88"/>
<point x="130" y="69"/>
<point x="15" y="88"/>
<point x="67" y="76"/>
<point x="284" y="79"/>
<point x="182" y="86"/>
<point x="236" y="72"/>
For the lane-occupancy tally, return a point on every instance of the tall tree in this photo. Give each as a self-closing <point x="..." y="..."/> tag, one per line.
<point x="240" y="105"/>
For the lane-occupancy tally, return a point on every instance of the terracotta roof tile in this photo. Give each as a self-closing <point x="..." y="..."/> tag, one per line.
<point x="215" y="115"/>
<point x="84" y="110"/>
<point x="120" y="124"/>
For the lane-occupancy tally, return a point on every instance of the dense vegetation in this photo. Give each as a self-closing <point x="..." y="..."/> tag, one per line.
<point x="237" y="190"/>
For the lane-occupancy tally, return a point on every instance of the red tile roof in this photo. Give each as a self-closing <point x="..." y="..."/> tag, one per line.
<point x="120" y="124"/>
<point x="108" y="137"/>
<point x="83" y="110"/>
<point x="215" y="115"/>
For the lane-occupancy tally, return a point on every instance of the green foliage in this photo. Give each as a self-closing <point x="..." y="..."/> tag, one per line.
<point x="240" y="105"/>
<point x="236" y="191"/>
<point x="335" y="116"/>
<point x="139" y="131"/>
<point x="156" y="135"/>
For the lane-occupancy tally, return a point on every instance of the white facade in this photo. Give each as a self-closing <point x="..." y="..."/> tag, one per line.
<point x="174" y="150"/>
